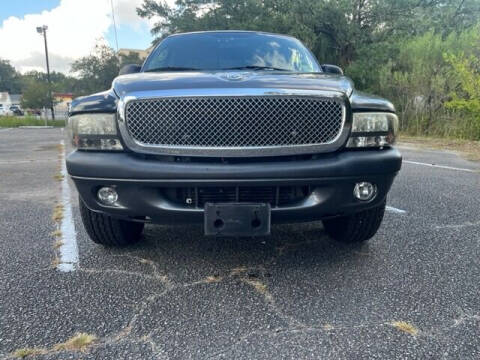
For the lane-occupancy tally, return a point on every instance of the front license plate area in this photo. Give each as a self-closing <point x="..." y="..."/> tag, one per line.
<point x="237" y="219"/>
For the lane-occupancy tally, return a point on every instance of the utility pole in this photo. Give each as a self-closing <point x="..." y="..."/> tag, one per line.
<point x="43" y="31"/>
<point x="114" y="24"/>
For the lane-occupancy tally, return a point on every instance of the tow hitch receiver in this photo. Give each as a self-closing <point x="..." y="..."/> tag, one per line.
<point x="237" y="219"/>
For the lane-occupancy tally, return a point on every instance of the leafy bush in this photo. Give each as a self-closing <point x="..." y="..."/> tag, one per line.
<point x="465" y="101"/>
<point x="433" y="80"/>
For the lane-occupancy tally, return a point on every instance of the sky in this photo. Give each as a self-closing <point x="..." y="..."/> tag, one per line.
<point x="74" y="27"/>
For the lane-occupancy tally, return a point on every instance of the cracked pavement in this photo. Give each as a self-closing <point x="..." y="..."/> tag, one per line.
<point x="296" y="294"/>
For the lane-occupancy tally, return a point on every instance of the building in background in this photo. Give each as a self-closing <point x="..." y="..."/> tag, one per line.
<point x="16" y="99"/>
<point x="62" y="103"/>
<point x="5" y="100"/>
<point x="142" y="54"/>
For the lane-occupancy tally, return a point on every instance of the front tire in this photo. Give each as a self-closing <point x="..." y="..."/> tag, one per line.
<point x="108" y="231"/>
<point x="356" y="228"/>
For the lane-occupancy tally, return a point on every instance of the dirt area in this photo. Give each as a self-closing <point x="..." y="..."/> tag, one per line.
<point x="470" y="150"/>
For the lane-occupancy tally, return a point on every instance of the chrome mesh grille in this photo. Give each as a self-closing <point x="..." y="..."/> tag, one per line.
<point x="235" y="122"/>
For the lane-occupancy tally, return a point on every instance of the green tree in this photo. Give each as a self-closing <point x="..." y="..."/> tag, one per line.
<point x="97" y="70"/>
<point x="422" y="80"/>
<point x="60" y="82"/>
<point x="10" y="79"/>
<point x="336" y="31"/>
<point x="465" y="99"/>
<point x="35" y="95"/>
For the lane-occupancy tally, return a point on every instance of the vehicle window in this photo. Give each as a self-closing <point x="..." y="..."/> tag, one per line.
<point x="219" y="51"/>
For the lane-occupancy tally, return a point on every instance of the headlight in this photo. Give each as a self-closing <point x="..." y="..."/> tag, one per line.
<point x="94" y="132"/>
<point x="373" y="130"/>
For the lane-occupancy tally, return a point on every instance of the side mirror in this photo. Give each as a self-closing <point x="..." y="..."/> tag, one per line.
<point x="332" y="69"/>
<point x="130" y="69"/>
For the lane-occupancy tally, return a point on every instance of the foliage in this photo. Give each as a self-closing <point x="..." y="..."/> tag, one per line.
<point x="16" y="121"/>
<point x="467" y="70"/>
<point x="335" y="30"/>
<point x="31" y="82"/>
<point x="60" y="82"/>
<point x="35" y="95"/>
<point x="94" y="73"/>
<point x="97" y="70"/>
<point x="465" y="101"/>
<point x="421" y="81"/>
<point x="9" y="78"/>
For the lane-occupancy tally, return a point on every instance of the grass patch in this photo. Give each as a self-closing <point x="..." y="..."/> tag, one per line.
<point x="58" y="244"/>
<point x="57" y="213"/>
<point x="260" y="287"/>
<point x="15" y="121"/>
<point x="78" y="342"/>
<point x="58" y="177"/>
<point x="213" y="279"/>
<point x="405" y="327"/>
<point x="23" y="353"/>
<point x="57" y="233"/>
<point x="55" y="262"/>
<point x="469" y="149"/>
<point x="238" y="271"/>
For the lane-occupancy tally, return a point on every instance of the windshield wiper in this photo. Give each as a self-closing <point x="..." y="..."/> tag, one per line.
<point x="256" y="67"/>
<point x="172" y="68"/>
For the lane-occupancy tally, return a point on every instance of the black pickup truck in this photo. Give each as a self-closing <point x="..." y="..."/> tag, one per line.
<point x="235" y="130"/>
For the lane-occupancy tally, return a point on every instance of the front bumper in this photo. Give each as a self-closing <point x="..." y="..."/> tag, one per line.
<point x="139" y="183"/>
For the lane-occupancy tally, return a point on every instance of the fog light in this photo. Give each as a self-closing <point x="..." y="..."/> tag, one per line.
<point x="107" y="195"/>
<point x="365" y="191"/>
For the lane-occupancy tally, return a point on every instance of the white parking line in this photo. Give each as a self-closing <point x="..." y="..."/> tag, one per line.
<point x="69" y="248"/>
<point x="25" y="161"/>
<point x="395" y="210"/>
<point x="440" y="166"/>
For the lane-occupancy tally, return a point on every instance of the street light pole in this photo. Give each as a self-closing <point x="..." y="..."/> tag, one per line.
<point x="43" y="30"/>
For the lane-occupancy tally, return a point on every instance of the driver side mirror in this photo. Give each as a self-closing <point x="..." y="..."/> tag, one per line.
<point x="130" y="69"/>
<point x="332" y="69"/>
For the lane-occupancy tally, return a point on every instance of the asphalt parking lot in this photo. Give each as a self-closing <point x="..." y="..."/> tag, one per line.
<point x="411" y="292"/>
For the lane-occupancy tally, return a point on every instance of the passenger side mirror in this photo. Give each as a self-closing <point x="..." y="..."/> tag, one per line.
<point x="332" y="69"/>
<point x="130" y="69"/>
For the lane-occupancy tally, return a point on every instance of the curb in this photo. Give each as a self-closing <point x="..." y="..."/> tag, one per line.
<point x="36" y="127"/>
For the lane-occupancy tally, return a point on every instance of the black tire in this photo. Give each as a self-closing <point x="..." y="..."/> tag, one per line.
<point x="356" y="228"/>
<point x="108" y="231"/>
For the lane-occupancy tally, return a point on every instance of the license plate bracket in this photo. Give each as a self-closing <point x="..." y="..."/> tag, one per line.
<point x="237" y="219"/>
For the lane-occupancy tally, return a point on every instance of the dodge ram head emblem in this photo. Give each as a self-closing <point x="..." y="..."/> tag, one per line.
<point x="235" y="76"/>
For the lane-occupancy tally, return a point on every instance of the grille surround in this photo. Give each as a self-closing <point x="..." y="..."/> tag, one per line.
<point x="139" y="141"/>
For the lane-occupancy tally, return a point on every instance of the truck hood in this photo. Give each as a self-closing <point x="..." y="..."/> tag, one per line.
<point x="146" y="82"/>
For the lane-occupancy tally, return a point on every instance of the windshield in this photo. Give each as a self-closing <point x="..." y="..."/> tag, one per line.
<point x="229" y="51"/>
